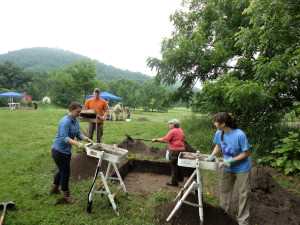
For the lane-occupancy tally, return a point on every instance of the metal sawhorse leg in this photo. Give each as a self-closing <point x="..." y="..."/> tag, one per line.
<point x="190" y="186"/>
<point x="104" y="189"/>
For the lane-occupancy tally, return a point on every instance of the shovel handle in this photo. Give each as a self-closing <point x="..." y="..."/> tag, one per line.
<point x="141" y="139"/>
<point x="2" y="217"/>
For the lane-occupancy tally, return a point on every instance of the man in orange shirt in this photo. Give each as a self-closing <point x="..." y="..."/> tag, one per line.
<point x="100" y="106"/>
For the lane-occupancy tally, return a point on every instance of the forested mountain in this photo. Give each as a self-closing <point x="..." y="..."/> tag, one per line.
<point x="47" y="59"/>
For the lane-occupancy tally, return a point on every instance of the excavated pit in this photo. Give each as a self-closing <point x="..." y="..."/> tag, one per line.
<point x="270" y="203"/>
<point x="146" y="177"/>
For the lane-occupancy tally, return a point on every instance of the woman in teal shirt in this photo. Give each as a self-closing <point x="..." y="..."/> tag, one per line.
<point x="233" y="144"/>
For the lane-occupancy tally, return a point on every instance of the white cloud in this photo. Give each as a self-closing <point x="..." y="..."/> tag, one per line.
<point x="122" y="33"/>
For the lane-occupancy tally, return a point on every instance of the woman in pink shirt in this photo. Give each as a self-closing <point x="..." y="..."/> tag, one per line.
<point x="175" y="140"/>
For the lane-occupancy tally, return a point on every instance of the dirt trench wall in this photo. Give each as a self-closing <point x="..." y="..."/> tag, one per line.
<point x="147" y="166"/>
<point x="270" y="204"/>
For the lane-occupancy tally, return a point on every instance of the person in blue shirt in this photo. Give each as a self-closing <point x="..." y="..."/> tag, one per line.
<point x="68" y="134"/>
<point x="233" y="144"/>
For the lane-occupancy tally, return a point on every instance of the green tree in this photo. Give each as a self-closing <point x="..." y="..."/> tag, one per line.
<point x="13" y="77"/>
<point x="257" y="42"/>
<point x="154" y="96"/>
<point x="203" y="42"/>
<point x="39" y="86"/>
<point x="263" y="37"/>
<point x="62" y="90"/>
<point x="83" y="74"/>
<point x="130" y="91"/>
<point x="273" y="36"/>
<point x="73" y="83"/>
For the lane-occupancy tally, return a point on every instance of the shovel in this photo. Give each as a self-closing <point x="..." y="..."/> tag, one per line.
<point x="5" y="206"/>
<point x="136" y="139"/>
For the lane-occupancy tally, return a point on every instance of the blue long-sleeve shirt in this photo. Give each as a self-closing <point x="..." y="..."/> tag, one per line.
<point x="68" y="128"/>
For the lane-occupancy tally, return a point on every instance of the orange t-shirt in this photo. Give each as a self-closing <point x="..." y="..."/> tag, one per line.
<point x="99" y="105"/>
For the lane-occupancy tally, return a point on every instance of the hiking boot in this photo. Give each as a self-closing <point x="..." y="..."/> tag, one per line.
<point x="54" y="190"/>
<point x="172" y="184"/>
<point x="67" y="199"/>
<point x="181" y="179"/>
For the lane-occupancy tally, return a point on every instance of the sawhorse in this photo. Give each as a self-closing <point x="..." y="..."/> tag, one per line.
<point x="191" y="185"/>
<point x="104" y="188"/>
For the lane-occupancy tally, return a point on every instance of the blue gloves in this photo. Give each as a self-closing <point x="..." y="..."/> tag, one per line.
<point x="228" y="162"/>
<point x="211" y="158"/>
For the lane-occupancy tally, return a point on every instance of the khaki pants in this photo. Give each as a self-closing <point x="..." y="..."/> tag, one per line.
<point x="242" y="181"/>
<point x="99" y="131"/>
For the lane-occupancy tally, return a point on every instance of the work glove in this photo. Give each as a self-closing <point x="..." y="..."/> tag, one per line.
<point x="211" y="158"/>
<point x="90" y="140"/>
<point x="228" y="162"/>
<point x="80" y="146"/>
<point x="87" y="139"/>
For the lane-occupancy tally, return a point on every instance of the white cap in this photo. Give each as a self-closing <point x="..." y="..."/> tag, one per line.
<point x="174" y="121"/>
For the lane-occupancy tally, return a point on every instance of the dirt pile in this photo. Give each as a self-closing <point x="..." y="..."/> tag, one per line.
<point x="139" y="147"/>
<point x="189" y="215"/>
<point x="270" y="203"/>
<point x="83" y="166"/>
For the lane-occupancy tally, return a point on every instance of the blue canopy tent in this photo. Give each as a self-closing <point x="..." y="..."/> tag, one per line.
<point x="11" y="95"/>
<point x="107" y="96"/>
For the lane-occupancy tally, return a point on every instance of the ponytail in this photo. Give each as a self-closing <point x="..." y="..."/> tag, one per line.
<point x="227" y="118"/>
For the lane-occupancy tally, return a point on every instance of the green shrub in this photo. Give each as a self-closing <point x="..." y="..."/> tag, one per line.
<point x="294" y="114"/>
<point x="3" y="101"/>
<point x="286" y="155"/>
<point x="199" y="132"/>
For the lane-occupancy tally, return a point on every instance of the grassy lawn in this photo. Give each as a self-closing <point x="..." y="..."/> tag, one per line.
<point x="27" y="170"/>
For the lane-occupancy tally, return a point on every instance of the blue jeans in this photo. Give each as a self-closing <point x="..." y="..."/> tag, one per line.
<point x="62" y="162"/>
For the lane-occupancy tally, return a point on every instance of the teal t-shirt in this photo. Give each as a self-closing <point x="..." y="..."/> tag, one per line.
<point x="234" y="142"/>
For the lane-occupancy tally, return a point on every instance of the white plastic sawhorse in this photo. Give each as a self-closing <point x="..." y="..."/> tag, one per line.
<point x="104" y="188"/>
<point x="190" y="185"/>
